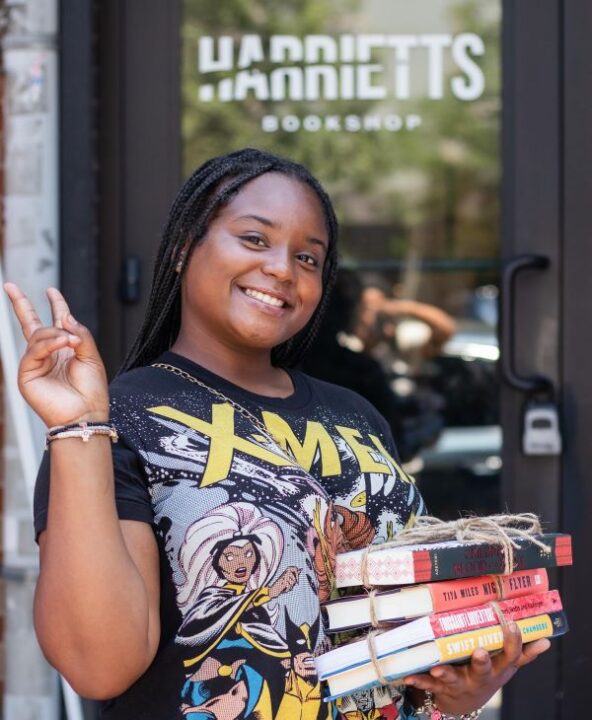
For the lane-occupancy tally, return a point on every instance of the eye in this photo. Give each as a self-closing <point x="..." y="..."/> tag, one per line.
<point x="308" y="259"/>
<point x="229" y="557"/>
<point x="249" y="553"/>
<point x="256" y="240"/>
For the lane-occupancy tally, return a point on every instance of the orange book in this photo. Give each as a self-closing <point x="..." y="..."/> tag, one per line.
<point x="398" y="604"/>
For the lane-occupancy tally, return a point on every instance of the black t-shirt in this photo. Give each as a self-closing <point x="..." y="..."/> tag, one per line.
<point x="247" y="536"/>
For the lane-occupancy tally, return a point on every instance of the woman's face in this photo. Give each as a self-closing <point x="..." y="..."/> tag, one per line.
<point x="237" y="562"/>
<point x="256" y="278"/>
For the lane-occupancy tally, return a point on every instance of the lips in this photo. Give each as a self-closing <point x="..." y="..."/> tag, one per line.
<point x="271" y="299"/>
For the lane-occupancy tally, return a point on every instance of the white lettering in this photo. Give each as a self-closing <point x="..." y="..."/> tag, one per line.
<point x="290" y="123"/>
<point x="333" y="123"/>
<point x="473" y="86"/>
<point x="206" y="61"/>
<point x="393" y="122"/>
<point x="225" y="90"/>
<point x="251" y="51"/>
<point x="312" y="123"/>
<point x="317" y="45"/>
<point x="372" y="122"/>
<point x="367" y="43"/>
<point x="346" y="78"/>
<point x="353" y="123"/>
<point x="295" y="84"/>
<point x="412" y="122"/>
<point x="313" y="75"/>
<point x="255" y="81"/>
<point x="435" y="45"/>
<point x="269" y="123"/>
<point x="347" y="48"/>
<point x="402" y="45"/>
<point x="365" y="89"/>
<point x="285" y="48"/>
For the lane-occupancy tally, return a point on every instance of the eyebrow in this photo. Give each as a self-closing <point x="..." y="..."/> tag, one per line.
<point x="269" y="223"/>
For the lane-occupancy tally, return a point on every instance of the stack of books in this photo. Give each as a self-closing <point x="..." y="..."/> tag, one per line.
<point x="452" y="602"/>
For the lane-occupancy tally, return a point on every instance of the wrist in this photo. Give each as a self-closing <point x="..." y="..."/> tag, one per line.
<point x="94" y="416"/>
<point x="430" y="709"/>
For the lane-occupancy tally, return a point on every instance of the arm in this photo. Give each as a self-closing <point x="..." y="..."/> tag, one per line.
<point x="96" y="604"/>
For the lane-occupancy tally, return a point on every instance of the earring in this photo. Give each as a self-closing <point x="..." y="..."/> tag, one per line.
<point x="179" y="265"/>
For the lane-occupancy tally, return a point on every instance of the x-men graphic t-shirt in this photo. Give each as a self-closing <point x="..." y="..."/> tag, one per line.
<point x="250" y="498"/>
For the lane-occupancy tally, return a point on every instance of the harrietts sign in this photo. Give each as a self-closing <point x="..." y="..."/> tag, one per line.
<point x="347" y="67"/>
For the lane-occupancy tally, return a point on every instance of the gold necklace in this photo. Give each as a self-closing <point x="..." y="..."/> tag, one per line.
<point x="284" y="451"/>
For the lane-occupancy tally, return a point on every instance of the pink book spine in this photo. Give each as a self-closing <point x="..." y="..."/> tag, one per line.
<point x="483" y="615"/>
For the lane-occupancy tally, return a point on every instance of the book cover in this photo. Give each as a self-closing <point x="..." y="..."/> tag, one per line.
<point x="395" y="604"/>
<point x="452" y="648"/>
<point x="436" y="625"/>
<point x="408" y="564"/>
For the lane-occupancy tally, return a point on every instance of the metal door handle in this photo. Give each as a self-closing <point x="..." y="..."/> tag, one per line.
<point x="533" y="383"/>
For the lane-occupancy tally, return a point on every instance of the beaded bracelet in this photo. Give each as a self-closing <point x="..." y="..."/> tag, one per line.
<point x="430" y="709"/>
<point x="82" y="430"/>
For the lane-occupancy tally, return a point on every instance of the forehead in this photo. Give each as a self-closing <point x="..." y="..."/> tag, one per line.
<point x="278" y="195"/>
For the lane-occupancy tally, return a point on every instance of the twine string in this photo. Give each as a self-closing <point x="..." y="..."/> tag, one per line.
<point x="371" y="642"/>
<point x="503" y="530"/>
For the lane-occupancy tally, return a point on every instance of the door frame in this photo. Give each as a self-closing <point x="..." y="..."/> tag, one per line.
<point x="546" y="191"/>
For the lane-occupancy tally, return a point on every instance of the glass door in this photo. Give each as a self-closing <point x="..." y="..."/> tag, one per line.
<point x="396" y="107"/>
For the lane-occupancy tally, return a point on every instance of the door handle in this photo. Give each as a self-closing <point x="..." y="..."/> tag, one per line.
<point x="532" y="383"/>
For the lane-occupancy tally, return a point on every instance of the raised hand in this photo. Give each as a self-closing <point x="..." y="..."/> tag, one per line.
<point x="462" y="688"/>
<point x="61" y="374"/>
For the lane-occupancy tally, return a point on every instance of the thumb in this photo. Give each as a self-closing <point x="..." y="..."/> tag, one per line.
<point x="86" y="349"/>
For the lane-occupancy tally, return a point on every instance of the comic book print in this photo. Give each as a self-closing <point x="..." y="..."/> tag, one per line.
<point x="250" y="536"/>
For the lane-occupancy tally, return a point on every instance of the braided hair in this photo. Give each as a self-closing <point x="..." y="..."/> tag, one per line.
<point x="212" y="186"/>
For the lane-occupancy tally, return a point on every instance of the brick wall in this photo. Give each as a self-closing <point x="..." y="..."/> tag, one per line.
<point x="2" y="405"/>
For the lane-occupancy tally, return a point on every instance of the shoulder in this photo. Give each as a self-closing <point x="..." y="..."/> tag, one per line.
<point x="343" y="400"/>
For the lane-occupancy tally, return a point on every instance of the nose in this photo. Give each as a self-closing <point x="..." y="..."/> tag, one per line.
<point x="279" y="264"/>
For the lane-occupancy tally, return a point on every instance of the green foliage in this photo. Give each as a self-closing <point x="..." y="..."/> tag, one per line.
<point x="434" y="189"/>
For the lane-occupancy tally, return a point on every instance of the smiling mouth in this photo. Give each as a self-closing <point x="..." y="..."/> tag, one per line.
<point x="265" y="298"/>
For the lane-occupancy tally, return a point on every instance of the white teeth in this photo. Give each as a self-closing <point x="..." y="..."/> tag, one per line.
<point x="263" y="297"/>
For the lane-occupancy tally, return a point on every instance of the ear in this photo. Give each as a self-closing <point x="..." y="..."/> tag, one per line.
<point x="181" y="257"/>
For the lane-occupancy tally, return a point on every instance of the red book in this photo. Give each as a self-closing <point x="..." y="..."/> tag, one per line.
<point x="395" y="604"/>
<point x="432" y="627"/>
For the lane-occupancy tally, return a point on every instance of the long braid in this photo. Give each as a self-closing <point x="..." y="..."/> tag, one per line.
<point x="212" y="186"/>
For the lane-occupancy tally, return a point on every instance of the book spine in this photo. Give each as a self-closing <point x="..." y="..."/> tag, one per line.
<point x="457" y="594"/>
<point x="482" y="616"/>
<point x="404" y="565"/>
<point x="461" y="646"/>
<point x="485" y="559"/>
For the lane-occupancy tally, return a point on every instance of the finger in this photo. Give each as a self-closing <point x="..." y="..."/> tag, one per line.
<point x="86" y="349"/>
<point x="23" y="309"/>
<point x="512" y="643"/>
<point x="422" y="682"/>
<point x="531" y="651"/>
<point x="59" y="306"/>
<point x="41" y="350"/>
<point x="481" y="664"/>
<point x="445" y="674"/>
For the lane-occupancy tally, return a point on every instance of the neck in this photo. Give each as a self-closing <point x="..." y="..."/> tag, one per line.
<point x="249" y="369"/>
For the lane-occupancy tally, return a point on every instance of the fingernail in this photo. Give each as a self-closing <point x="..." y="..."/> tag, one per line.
<point x="73" y="338"/>
<point x="437" y="672"/>
<point x="72" y="319"/>
<point x="512" y="627"/>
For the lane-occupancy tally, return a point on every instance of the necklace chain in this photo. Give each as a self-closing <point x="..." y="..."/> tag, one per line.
<point x="237" y="406"/>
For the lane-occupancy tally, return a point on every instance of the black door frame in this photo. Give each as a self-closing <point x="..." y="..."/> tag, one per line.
<point x="547" y="191"/>
<point x="531" y="223"/>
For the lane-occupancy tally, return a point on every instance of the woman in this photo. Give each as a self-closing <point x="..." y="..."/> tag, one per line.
<point x="209" y="415"/>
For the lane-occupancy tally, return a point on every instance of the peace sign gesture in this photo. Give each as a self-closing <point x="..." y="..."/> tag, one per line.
<point x="61" y="374"/>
